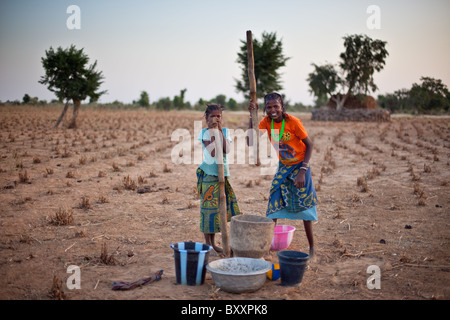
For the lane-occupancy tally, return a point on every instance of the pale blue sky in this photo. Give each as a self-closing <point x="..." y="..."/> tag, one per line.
<point x="165" y="46"/>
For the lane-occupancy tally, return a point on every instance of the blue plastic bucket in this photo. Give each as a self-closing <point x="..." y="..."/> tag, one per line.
<point x="191" y="259"/>
<point x="292" y="267"/>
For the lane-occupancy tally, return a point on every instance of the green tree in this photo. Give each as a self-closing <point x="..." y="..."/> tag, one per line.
<point x="431" y="94"/>
<point x="164" y="104"/>
<point x="323" y="81"/>
<point x="219" y="99"/>
<point x="201" y="104"/>
<point x="144" y="99"/>
<point x="269" y="58"/>
<point x="399" y="101"/>
<point x="178" y="101"/>
<point x="34" y="100"/>
<point x="358" y="63"/>
<point x="232" y="104"/>
<point x="70" y="78"/>
<point x="389" y="101"/>
<point x="26" y="99"/>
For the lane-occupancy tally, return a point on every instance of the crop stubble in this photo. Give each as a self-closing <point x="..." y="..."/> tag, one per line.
<point x="108" y="192"/>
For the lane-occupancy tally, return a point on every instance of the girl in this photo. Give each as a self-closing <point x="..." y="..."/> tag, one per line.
<point x="207" y="180"/>
<point x="292" y="194"/>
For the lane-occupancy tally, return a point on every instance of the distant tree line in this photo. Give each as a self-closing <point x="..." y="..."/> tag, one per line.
<point x="178" y="103"/>
<point x="430" y="96"/>
<point x="166" y="103"/>
<point x="68" y="75"/>
<point x="29" y="100"/>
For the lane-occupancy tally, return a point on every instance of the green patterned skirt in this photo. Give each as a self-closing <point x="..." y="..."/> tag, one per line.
<point x="208" y="189"/>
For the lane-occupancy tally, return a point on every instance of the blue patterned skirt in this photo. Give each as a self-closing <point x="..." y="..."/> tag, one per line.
<point x="286" y="201"/>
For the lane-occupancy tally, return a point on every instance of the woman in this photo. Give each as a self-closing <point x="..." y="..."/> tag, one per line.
<point x="292" y="194"/>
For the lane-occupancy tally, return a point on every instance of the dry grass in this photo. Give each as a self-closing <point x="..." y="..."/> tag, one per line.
<point x="102" y="199"/>
<point x="83" y="160"/>
<point x="105" y="258"/>
<point x="362" y="183"/>
<point x="85" y="203"/>
<point x="116" y="167"/>
<point x="70" y="175"/>
<point x="166" y="168"/>
<point x="56" y="292"/>
<point x="24" y="177"/>
<point x="384" y="198"/>
<point x="128" y="183"/>
<point x="142" y="180"/>
<point x="62" y="217"/>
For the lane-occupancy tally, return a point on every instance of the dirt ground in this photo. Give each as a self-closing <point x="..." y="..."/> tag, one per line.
<point x="383" y="192"/>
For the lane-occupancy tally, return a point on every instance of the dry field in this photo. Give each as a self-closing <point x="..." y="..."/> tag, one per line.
<point x="107" y="198"/>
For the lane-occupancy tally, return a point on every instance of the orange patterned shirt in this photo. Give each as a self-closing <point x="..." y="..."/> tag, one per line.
<point x="290" y="148"/>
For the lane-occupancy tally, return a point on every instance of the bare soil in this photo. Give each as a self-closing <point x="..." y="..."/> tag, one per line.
<point x="106" y="197"/>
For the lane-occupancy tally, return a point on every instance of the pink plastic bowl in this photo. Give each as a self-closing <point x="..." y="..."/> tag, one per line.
<point x="282" y="237"/>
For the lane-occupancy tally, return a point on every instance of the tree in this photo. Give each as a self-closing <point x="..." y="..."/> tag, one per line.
<point x="178" y="101"/>
<point x="164" y="104"/>
<point x="431" y="94"/>
<point x="69" y="77"/>
<point x="323" y="81"/>
<point x="232" y="104"/>
<point x="220" y="99"/>
<point x="144" y="100"/>
<point x="26" y="99"/>
<point x="358" y="63"/>
<point x="269" y="57"/>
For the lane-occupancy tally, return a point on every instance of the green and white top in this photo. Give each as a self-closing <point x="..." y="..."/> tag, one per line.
<point x="209" y="164"/>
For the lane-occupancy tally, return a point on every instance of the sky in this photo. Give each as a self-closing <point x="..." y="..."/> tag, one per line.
<point x="164" y="46"/>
